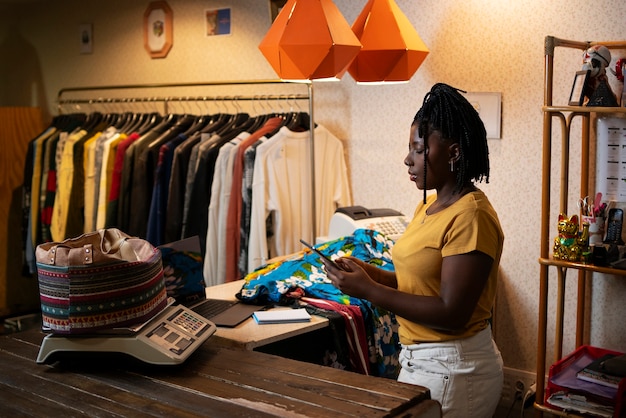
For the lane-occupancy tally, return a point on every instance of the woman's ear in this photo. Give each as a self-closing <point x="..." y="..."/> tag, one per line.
<point x="455" y="152"/>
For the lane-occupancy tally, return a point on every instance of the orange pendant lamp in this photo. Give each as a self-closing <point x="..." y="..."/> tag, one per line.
<point x="392" y="49"/>
<point x="310" y="40"/>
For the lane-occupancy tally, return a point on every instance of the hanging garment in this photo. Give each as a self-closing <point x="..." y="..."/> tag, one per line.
<point x="116" y="181"/>
<point x="67" y="216"/>
<point x="48" y="187"/>
<point x="198" y="187"/>
<point x="200" y="177"/>
<point x="31" y="190"/>
<point x="282" y="190"/>
<point x="176" y="188"/>
<point x="127" y="198"/>
<point x="146" y="157"/>
<point x="89" y="173"/>
<point x="106" y="174"/>
<point x="48" y="181"/>
<point x="214" y="268"/>
<point x="233" y="216"/>
<point x="246" y="205"/>
<point x="157" y="217"/>
<point x="95" y="177"/>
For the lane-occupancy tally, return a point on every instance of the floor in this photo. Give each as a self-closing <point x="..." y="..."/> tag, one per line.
<point x="514" y="412"/>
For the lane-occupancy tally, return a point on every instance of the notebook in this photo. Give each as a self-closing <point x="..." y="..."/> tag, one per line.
<point x="182" y="266"/>
<point x="282" y="316"/>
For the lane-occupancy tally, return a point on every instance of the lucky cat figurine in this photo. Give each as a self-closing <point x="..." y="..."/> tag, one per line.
<point x="571" y="242"/>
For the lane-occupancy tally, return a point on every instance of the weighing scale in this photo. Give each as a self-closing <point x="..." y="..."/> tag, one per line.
<point x="168" y="338"/>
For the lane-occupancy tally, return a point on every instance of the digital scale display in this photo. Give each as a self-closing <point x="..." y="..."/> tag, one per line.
<point x="179" y="331"/>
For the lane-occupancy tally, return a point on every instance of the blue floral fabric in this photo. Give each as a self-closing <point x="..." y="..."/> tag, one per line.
<point x="182" y="272"/>
<point x="303" y="275"/>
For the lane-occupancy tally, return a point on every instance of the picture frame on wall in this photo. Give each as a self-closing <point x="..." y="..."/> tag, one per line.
<point x="86" y="38"/>
<point x="577" y="94"/>
<point x="218" y="22"/>
<point x="489" y="108"/>
<point x="158" y="29"/>
<point x="275" y="7"/>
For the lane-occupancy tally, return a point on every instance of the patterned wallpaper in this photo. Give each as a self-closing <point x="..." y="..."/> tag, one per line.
<point x="476" y="45"/>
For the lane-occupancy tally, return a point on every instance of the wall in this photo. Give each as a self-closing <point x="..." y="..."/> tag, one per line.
<point x="477" y="45"/>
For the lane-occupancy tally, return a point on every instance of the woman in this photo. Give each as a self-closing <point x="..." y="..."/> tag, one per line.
<point x="446" y="263"/>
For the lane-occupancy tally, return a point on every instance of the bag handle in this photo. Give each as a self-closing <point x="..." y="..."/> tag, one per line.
<point x="111" y="240"/>
<point x="114" y="241"/>
<point x="111" y="243"/>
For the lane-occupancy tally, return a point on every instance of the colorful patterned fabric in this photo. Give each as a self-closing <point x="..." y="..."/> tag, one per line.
<point x="303" y="275"/>
<point x="354" y="326"/>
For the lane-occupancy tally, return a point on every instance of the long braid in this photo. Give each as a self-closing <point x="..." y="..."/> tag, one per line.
<point x="446" y="110"/>
<point x="425" y="166"/>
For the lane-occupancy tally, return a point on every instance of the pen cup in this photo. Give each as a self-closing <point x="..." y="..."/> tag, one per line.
<point x="596" y="228"/>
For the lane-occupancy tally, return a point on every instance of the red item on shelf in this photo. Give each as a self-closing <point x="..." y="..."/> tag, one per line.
<point x="562" y="378"/>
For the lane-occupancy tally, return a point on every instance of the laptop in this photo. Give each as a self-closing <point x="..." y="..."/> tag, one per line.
<point x="185" y="283"/>
<point x="225" y="313"/>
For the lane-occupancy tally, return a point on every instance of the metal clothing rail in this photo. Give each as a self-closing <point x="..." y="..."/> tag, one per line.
<point x="64" y="92"/>
<point x="178" y="99"/>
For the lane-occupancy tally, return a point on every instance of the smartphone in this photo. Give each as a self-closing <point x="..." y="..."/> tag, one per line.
<point x="325" y="259"/>
<point x="614" y="227"/>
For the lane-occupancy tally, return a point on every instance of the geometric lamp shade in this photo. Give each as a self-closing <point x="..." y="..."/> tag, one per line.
<point x="392" y="49"/>
<point x="310" y="39"/>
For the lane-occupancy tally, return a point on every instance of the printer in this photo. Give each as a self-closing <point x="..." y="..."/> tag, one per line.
<point x="347" y="219"/>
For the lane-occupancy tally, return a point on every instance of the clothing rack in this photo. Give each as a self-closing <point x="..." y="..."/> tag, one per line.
<point x="85" y="97"/>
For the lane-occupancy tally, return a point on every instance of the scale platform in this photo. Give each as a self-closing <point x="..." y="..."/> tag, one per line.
<point x="169" y="338"/>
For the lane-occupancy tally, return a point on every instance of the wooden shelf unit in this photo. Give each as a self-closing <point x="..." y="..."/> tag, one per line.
<point x="565" y="115"/>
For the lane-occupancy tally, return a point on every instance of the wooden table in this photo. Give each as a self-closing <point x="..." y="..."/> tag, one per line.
<point x="249" y="335"/>
<point x="215" y="381"/>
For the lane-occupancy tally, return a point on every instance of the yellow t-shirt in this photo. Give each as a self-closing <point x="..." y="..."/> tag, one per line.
<point x="470" y="224"/>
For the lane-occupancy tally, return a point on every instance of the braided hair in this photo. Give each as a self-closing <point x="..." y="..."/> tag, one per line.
<point x="444" y="109"/>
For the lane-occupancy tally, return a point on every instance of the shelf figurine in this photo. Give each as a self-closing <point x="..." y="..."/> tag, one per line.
<point x="597" y="90"/>
<point x="571" y="243"/>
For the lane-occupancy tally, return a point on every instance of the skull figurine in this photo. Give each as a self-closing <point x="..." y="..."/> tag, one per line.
<point x="595" y="59"/>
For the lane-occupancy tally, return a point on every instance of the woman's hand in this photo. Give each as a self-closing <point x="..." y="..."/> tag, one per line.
<point x="352" y="277"/>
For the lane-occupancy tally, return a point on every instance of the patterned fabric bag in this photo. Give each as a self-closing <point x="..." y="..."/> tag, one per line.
<point x="99" y="280"/>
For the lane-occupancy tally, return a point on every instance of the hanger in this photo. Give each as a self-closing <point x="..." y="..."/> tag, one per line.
<point x="202" y="121"/>
<point x="297" y="120"/>
<point x="151" y="120"/>
<point x="125" y="121"/>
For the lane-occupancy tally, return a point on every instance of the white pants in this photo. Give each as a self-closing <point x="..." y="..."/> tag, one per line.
<point x="464" y="375"/>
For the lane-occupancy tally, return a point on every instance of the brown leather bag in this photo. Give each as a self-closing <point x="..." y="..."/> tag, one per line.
<point x="99" y="280"/>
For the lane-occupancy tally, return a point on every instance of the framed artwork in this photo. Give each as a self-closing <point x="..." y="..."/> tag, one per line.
<point x="489" y="108"/>
<point x="158" y="29"/>
<point x="217" y="22"/>
<point x="275" y="7"/>
<point x="86" y="38"/>
<point x="578" y="88"/>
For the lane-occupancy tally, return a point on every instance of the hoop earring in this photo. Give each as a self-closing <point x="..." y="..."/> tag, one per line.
<point x="452" y="166"/>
